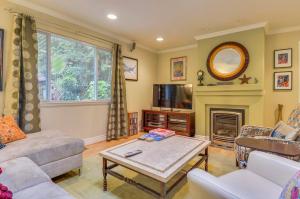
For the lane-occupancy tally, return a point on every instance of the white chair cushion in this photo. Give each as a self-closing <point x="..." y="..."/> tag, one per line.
<point x="277" y="169"/>
<point x="248" y="185"/>
<point x="207" y="186"/>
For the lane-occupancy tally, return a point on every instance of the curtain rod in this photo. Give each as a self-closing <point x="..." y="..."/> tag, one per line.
<point x="10" y="10"/>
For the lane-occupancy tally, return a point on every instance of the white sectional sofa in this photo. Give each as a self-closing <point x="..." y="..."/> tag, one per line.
<point x="27" y="181"/>
<point x="30" y="163"/>
<point x="264" y="178"/>
<point x="54" y="152"/>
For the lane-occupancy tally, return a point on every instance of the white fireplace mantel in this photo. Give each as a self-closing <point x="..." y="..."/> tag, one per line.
<point x="249" y="97"/>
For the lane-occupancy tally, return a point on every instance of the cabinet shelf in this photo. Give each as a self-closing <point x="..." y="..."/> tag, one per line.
<point x="133" y="126"/>
<point x="183" y="123"/>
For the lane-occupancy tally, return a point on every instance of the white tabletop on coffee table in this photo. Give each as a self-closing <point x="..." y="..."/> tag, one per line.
<point x="160" y="160"/>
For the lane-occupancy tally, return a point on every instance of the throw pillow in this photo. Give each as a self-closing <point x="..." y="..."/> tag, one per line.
<point x="284" y="131"/>
<point x="292" y="188"/>
<point x="5" y="193"/>
<point x="9" y="130"/>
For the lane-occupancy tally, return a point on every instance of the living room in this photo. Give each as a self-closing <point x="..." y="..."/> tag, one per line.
<point x="208" y="87"/>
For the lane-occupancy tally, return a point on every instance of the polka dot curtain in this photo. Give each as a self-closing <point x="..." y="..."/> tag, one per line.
<point x="117" y="114"/>
<point x="21" y="90"/>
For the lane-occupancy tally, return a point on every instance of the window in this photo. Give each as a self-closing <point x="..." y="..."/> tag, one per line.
<point x="70" y="70"/>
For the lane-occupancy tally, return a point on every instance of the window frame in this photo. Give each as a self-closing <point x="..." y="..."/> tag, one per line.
<point x="50" y="103"/>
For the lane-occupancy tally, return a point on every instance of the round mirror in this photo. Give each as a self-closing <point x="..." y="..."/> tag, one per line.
<point x="227" y="61"/>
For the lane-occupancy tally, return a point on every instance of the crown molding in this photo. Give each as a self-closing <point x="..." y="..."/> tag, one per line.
<point x="177" y="49"/>
<point x="283" y="30"/>
<point x="232" y="30"/>
<point x="68" y="19"/>
<point x="144" y="47"/>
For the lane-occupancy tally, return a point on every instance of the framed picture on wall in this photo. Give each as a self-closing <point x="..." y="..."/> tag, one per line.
<point x="283" y="58"/>
<point x="283" y="80"/>
<point x="178" y="68"/>
<point x="130" y="68"/>
<point x="1" y="57"/>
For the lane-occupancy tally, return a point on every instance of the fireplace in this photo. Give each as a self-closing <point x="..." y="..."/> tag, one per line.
<point x="225" y="125"/>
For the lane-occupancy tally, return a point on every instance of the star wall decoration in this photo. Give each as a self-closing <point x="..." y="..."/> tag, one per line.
<point x="245" y="79"/>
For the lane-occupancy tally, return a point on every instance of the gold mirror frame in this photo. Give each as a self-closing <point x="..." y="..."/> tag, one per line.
<point x="244" y="61"/>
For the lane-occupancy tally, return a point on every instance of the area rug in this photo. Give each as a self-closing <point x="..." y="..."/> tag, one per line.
<point x="89" y="184"/>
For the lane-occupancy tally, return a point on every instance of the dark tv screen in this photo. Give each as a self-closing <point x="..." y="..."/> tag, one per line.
<point x="173" y="96"/>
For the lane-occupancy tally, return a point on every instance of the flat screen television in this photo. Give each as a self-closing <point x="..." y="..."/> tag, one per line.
<point x="179" y="96"/>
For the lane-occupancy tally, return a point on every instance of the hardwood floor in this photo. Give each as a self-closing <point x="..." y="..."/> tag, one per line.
<point x="94" y="149"/>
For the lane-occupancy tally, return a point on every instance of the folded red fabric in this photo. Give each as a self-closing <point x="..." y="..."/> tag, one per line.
<point x="5" y="193"/>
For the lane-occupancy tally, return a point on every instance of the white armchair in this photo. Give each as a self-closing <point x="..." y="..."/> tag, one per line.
<point x="265" y="177"/>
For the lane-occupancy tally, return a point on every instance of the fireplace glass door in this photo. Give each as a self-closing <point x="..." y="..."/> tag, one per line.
<point x="225" y="126"/>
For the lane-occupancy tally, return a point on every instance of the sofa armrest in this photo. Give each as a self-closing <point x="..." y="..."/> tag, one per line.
<point x="251" y="131"/>
<point x="283" y="141"/>
<point x="272" y="167"/>
<point x="206" y="185"/>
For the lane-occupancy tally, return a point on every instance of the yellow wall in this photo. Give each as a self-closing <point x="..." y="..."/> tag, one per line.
<point x="84" y="120"/>
<point x="163" y="66"/>
<point x="288" y="98"/>
<point x="260" y="47"/>
<point x="139" y="93"/>
<point x="155" y="68"/>
<point x="253" y="40"/>
<point x="6" y="24"/>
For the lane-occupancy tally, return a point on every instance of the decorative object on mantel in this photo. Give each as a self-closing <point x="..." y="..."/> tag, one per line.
<point x="211" y="84"/>
<point x="227" y="61"/>
<point x="283" y="58"/>
<point x="1" y="57"/>
<point x="278" y="116"/>
<point x="255" y="80"/>
<point x="178" y="68"/>
<point x="130" y="68"/>
<point x="245" y="79"/>
<point x="224" y="83"/>
<point x="200" y="75"/>
<point x="283" y="80"/>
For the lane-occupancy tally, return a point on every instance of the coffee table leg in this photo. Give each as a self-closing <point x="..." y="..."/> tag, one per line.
<point x="206" y="161"/>
<point x="104" y="170"/>
<point x="163" y="192"/>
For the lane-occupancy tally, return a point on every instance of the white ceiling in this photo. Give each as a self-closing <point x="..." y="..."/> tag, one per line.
<point x="178" y="21"/>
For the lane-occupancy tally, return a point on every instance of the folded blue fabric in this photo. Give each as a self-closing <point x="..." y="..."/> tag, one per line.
<point x="152" y="136"/>
<point x="2" y="146"/>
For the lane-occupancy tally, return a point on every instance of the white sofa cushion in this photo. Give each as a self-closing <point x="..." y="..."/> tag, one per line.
<point x="44" y="190"/>
<point x="21" y="173"/>
<point x="248" y="185"/>
<point x="43" y="147"/>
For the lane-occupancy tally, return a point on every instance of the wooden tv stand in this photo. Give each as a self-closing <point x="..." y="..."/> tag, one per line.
<point x="182" y="122"/>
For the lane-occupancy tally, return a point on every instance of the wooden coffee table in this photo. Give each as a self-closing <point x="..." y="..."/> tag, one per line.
<point x="160" y="160"/>
<point x="279" y="148"/>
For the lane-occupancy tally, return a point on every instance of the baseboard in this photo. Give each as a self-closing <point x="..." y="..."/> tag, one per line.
<point x="94" y="140"/>
<point x="202" y="137"/>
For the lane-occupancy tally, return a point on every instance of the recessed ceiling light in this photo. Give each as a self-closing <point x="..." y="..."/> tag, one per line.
<point x="112" y="16"/>
<point x="159" y="39"/>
